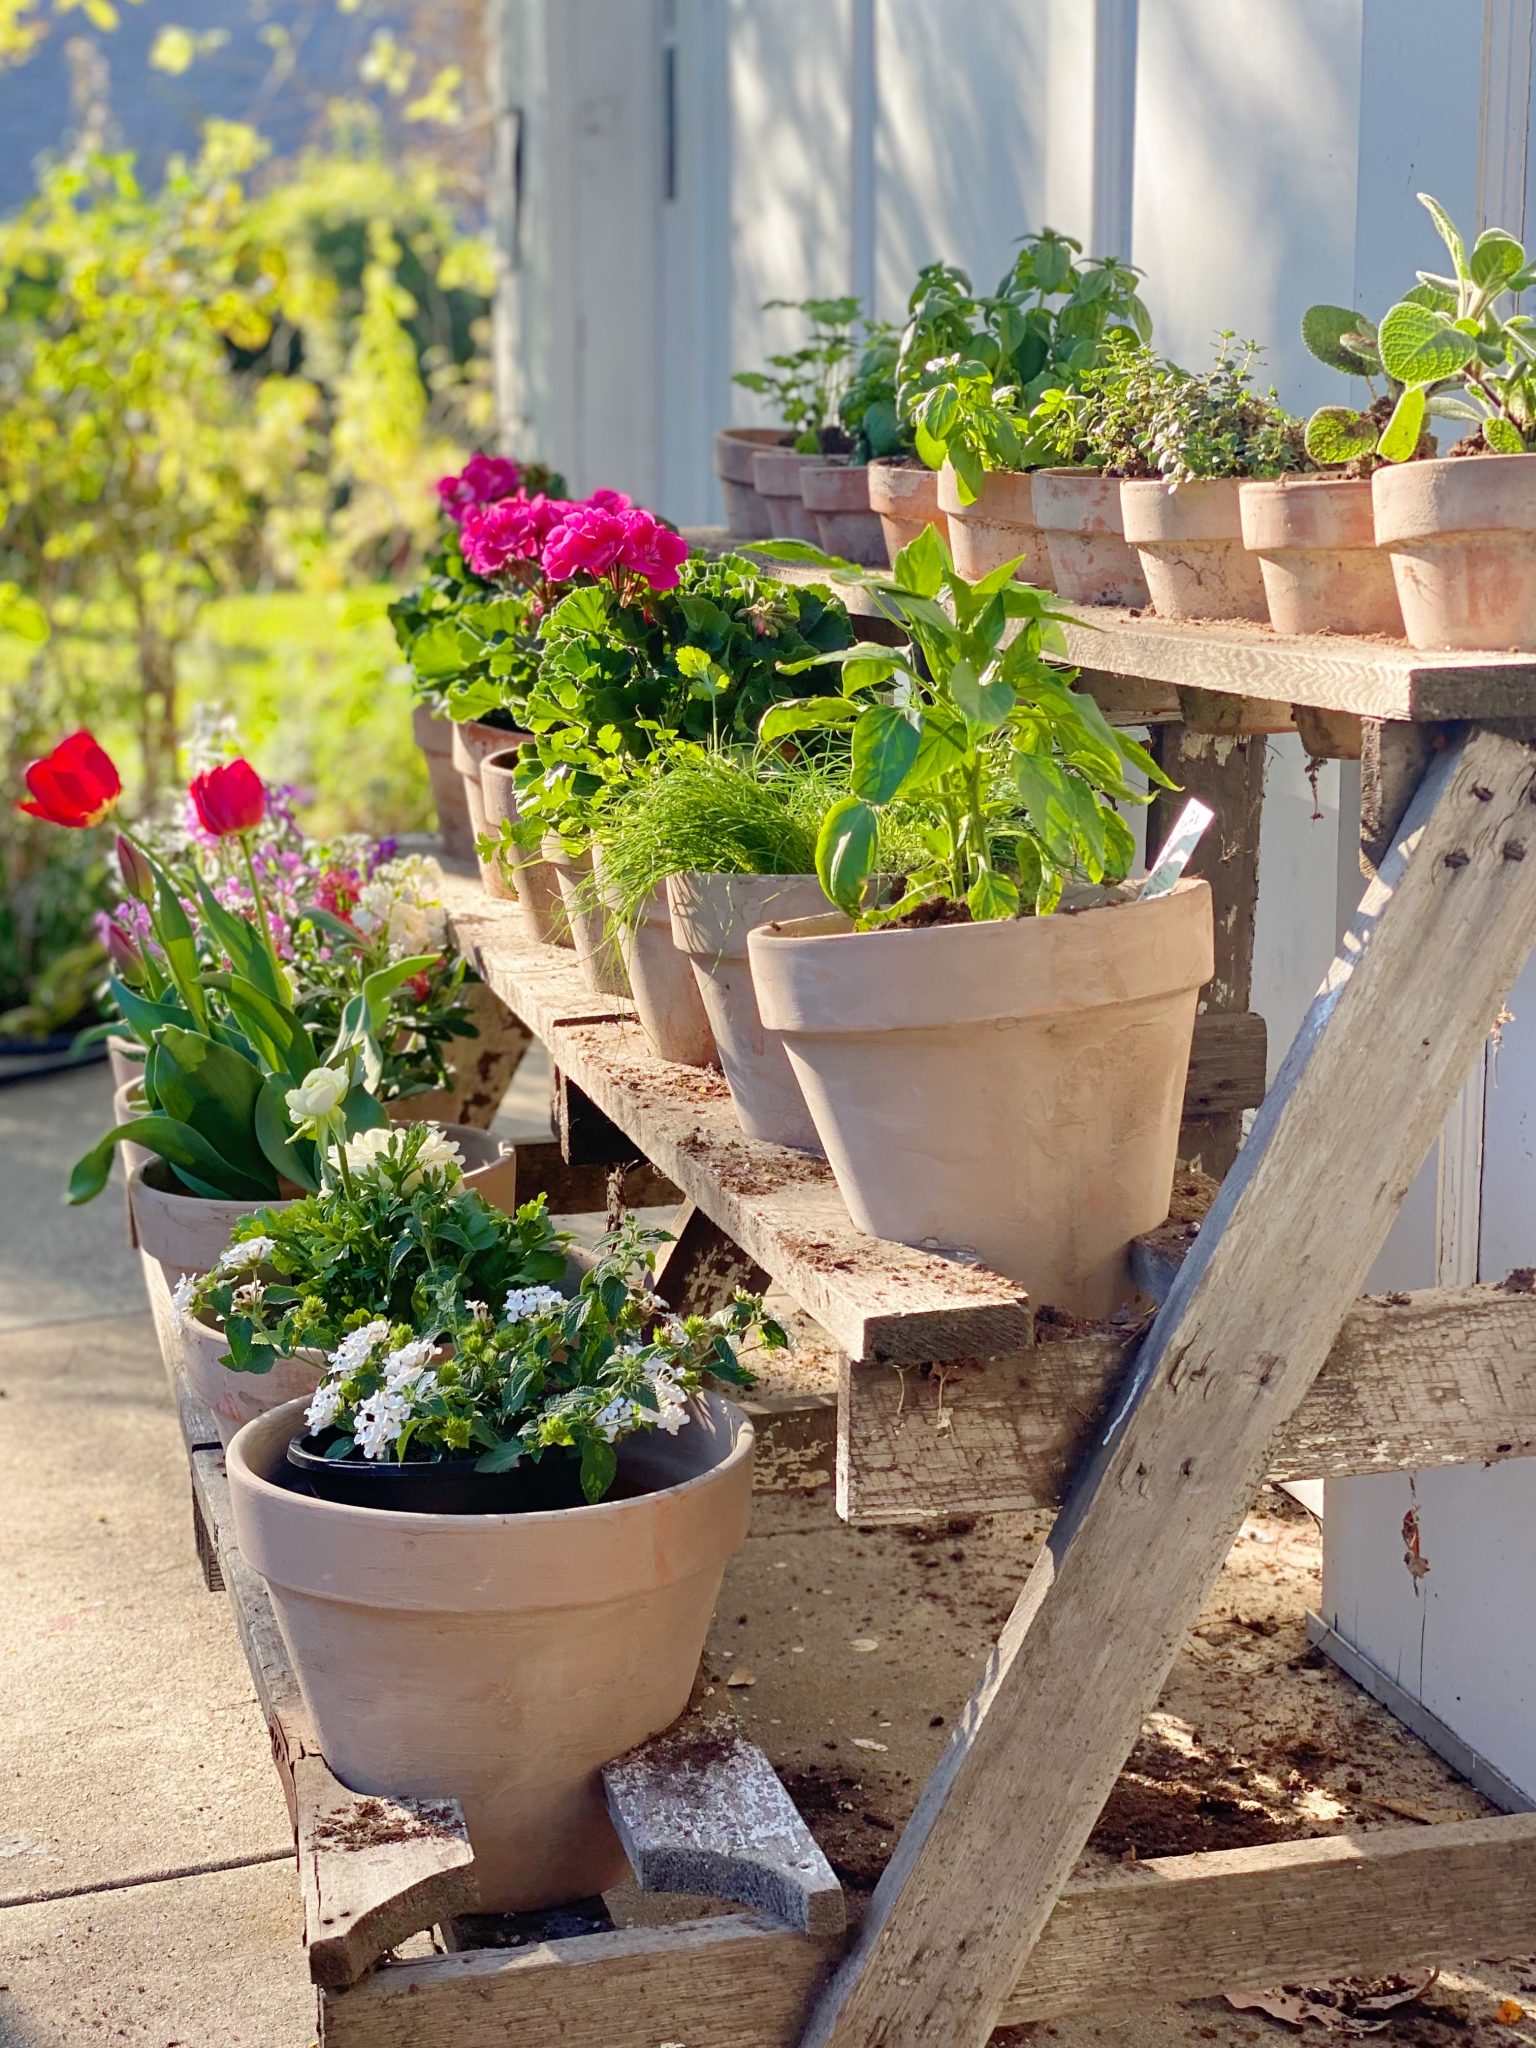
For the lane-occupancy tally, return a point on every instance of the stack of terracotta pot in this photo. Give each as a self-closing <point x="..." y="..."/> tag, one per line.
<point x="862" y="512"/>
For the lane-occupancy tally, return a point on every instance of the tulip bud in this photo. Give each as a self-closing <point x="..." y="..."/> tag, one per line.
<point x="138" y="878"/>
<point x="124" y="952"/>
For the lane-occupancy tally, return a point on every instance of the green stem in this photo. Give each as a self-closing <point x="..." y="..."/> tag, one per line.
<point x="263" y="923"/>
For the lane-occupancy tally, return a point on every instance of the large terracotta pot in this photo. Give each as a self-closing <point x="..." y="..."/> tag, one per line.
<point x="837" y="496"/>
<point x="1078" y="511"/>
<point x="905" y="495"/>
<point x="1010" y="1089"/>
<point x="1315" y="538"/>
<point x="1190" y="540"/>
<point x="234" y="1398"/>
<point x="186" y="1233"/>
<point x="434" y="736"/>
<point x="711" y="917"/>
<point x="597" y="951"/>
<point x="746" y="516"/>
<point x="125" y="1058"/>
<point x="666" y="995"/>
<point x="501" y="1660"/>
<point x="996" y="527"/>
<point x="1462" y="538"/>
<point x="777" y="473"/>
<point x="473" y="743"/>
<point x="534" y="881"/>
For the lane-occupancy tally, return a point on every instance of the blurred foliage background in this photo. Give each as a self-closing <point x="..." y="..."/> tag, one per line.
<point x="227" y="386"/>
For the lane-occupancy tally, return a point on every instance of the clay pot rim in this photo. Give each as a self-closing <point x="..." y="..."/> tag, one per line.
<point x="159" y="1187"/>
<point x="821" y="494"/>
<point x="1441" y="496"/>
<point x="1007" y="498"/>
<point x="776" y="472"/>
<point x="703" y="904"/>
<point x="397" y="1522"/>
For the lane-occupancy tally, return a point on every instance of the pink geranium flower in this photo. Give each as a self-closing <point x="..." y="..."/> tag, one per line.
<point x="492" y="536"/>
<point x="482" y="480"/>
<point x="588" y="540"/>
<point x="652" y="550"/>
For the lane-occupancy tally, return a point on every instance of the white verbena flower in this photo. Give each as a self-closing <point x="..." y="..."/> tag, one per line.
<point x="523" y="1303"/>
<point x="357" y="1346"/>
<point x="245" y="1256"/>
<point x="619" y="1417"/>
<point x="324" y="1408"/>
<point x="247" y="1297"/>
<point x="671" y="1397"/>
<point x="181" y="1300"/>
<point x="407" y="1361"/>
<point x="319" y="1095"/>
<point x="379" y="1421"/>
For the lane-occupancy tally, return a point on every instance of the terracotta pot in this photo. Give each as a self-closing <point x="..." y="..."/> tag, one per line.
<point x="184" y="1232"/>
<point x="711" y="917"/>
<point x="666" y="994"/>
<point x="1010" y="1089"/>
<point x="777" y="473"/>
<point x="1190" y="541"/>
<point x="128" y="1103"/>
<point x="836" y="494"/>
<point x="473" y="743"/>
<point x="998" y="526"/>
<point x="1315" y="538"/>
<point x="434" y="736"/>
<point x="746" y="515"/>
<point x="234" y="1398"/>
<point x="501" y="1660"/>
<point x="534" y="882"/>
<point x="1091" y="561"/>
<point x="490" y="1164"/>
<point x="596" y="949"/>
<point x="125" y="1058"/>
<point x="905" y="495"/>
<point x="1462" y="537"/>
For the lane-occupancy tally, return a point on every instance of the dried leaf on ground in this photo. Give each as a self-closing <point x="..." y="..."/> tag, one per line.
<point x="1348" y="2008"/>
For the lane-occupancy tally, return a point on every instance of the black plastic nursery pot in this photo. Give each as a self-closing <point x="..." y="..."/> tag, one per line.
<point x="438" y="1486"/>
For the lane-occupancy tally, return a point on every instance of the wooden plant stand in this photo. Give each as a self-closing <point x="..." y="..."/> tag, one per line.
<point x="954" y="1394"/>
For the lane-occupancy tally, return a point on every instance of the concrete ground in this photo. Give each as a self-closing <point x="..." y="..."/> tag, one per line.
<point x="147" y="1893"/>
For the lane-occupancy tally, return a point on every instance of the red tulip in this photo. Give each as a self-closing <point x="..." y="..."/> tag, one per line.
<point x="229" y="799"/>
<point x="75" y="785"/>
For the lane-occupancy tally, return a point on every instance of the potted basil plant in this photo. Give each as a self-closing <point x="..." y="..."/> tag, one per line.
<point x="1016" y="986"/>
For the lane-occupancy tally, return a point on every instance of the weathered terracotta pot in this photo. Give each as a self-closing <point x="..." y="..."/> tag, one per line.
<point x="837" y="496"/>
<point x="1009" y="1089"/>
<point x="711" y="917"/>
<point x="1190" y="541"/>
<point x="490" y="1164"/>
<point x="997" y="527"/>
<point x="746" y="516"/>
<point x="1078" y="511"/>
<point x="534" y="881"/>
<point x="1462" y="537"/>
<point x="186" y="1233"/>
<point x="234" y="1398"/>
<point x="666" y="994"/>
<point x="597" y="951"/>
<point x="777" y="473"/>
<point x="434" y="736"/>
<point x="125" y="1059"/>
<point x="905" y="495"/>
<point x="502" y="1660"/>
<point x="474" y="743"/>
<point x="1315" y="538"/>
<point x="128" y="1103"/>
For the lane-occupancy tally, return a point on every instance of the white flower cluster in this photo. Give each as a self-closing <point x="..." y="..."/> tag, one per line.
<point x="381" y="1415"/>
<point x="246" y="1256"/>
<point x="181" y="1300"/>
<point x="404" y="901"/>
<point x="439" y="1155"/>
<point x="624" y="1414"/>
<point x="524" y="1303"/>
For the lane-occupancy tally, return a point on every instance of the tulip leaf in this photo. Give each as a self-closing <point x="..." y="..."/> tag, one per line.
<point x="274" y="1032"/>
<point x="192" y="1078"/>
<point x="273" y="1129"/>
<point x="196" y="1162"/>
<point x="249" y="954"/>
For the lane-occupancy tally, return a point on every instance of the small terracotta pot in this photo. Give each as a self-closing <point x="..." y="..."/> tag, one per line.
<point x="434" y="736"/>
<point x="837" y="496"/>
<point x="502" y="1660"/>
<point x="777" y="473"/>
<point x="711" y="917"/>
<point x="596" y="950"/>
<point x="1010" y="1089"/>
<point x="533" y="880"/>
<point x="473" y="743"/>
<point x="234" y="1398"/>
<point x="666" y="994"/>
<point x="125" y="1058"/>
<point x="490" y="1164"/>
<point x="997" y="527"/>
<point x="186" y="1233"/>
<point x="745" y="514"/>
<point x="1091" y="561"/>
<point x="1462" y="537"/>
<point x="1315" y="538"/>
<point x="1190" y="540"/>
<point x="905" y="495"/>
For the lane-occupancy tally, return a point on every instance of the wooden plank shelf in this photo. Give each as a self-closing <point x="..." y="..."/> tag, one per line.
<point x="877" y="1301"/>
